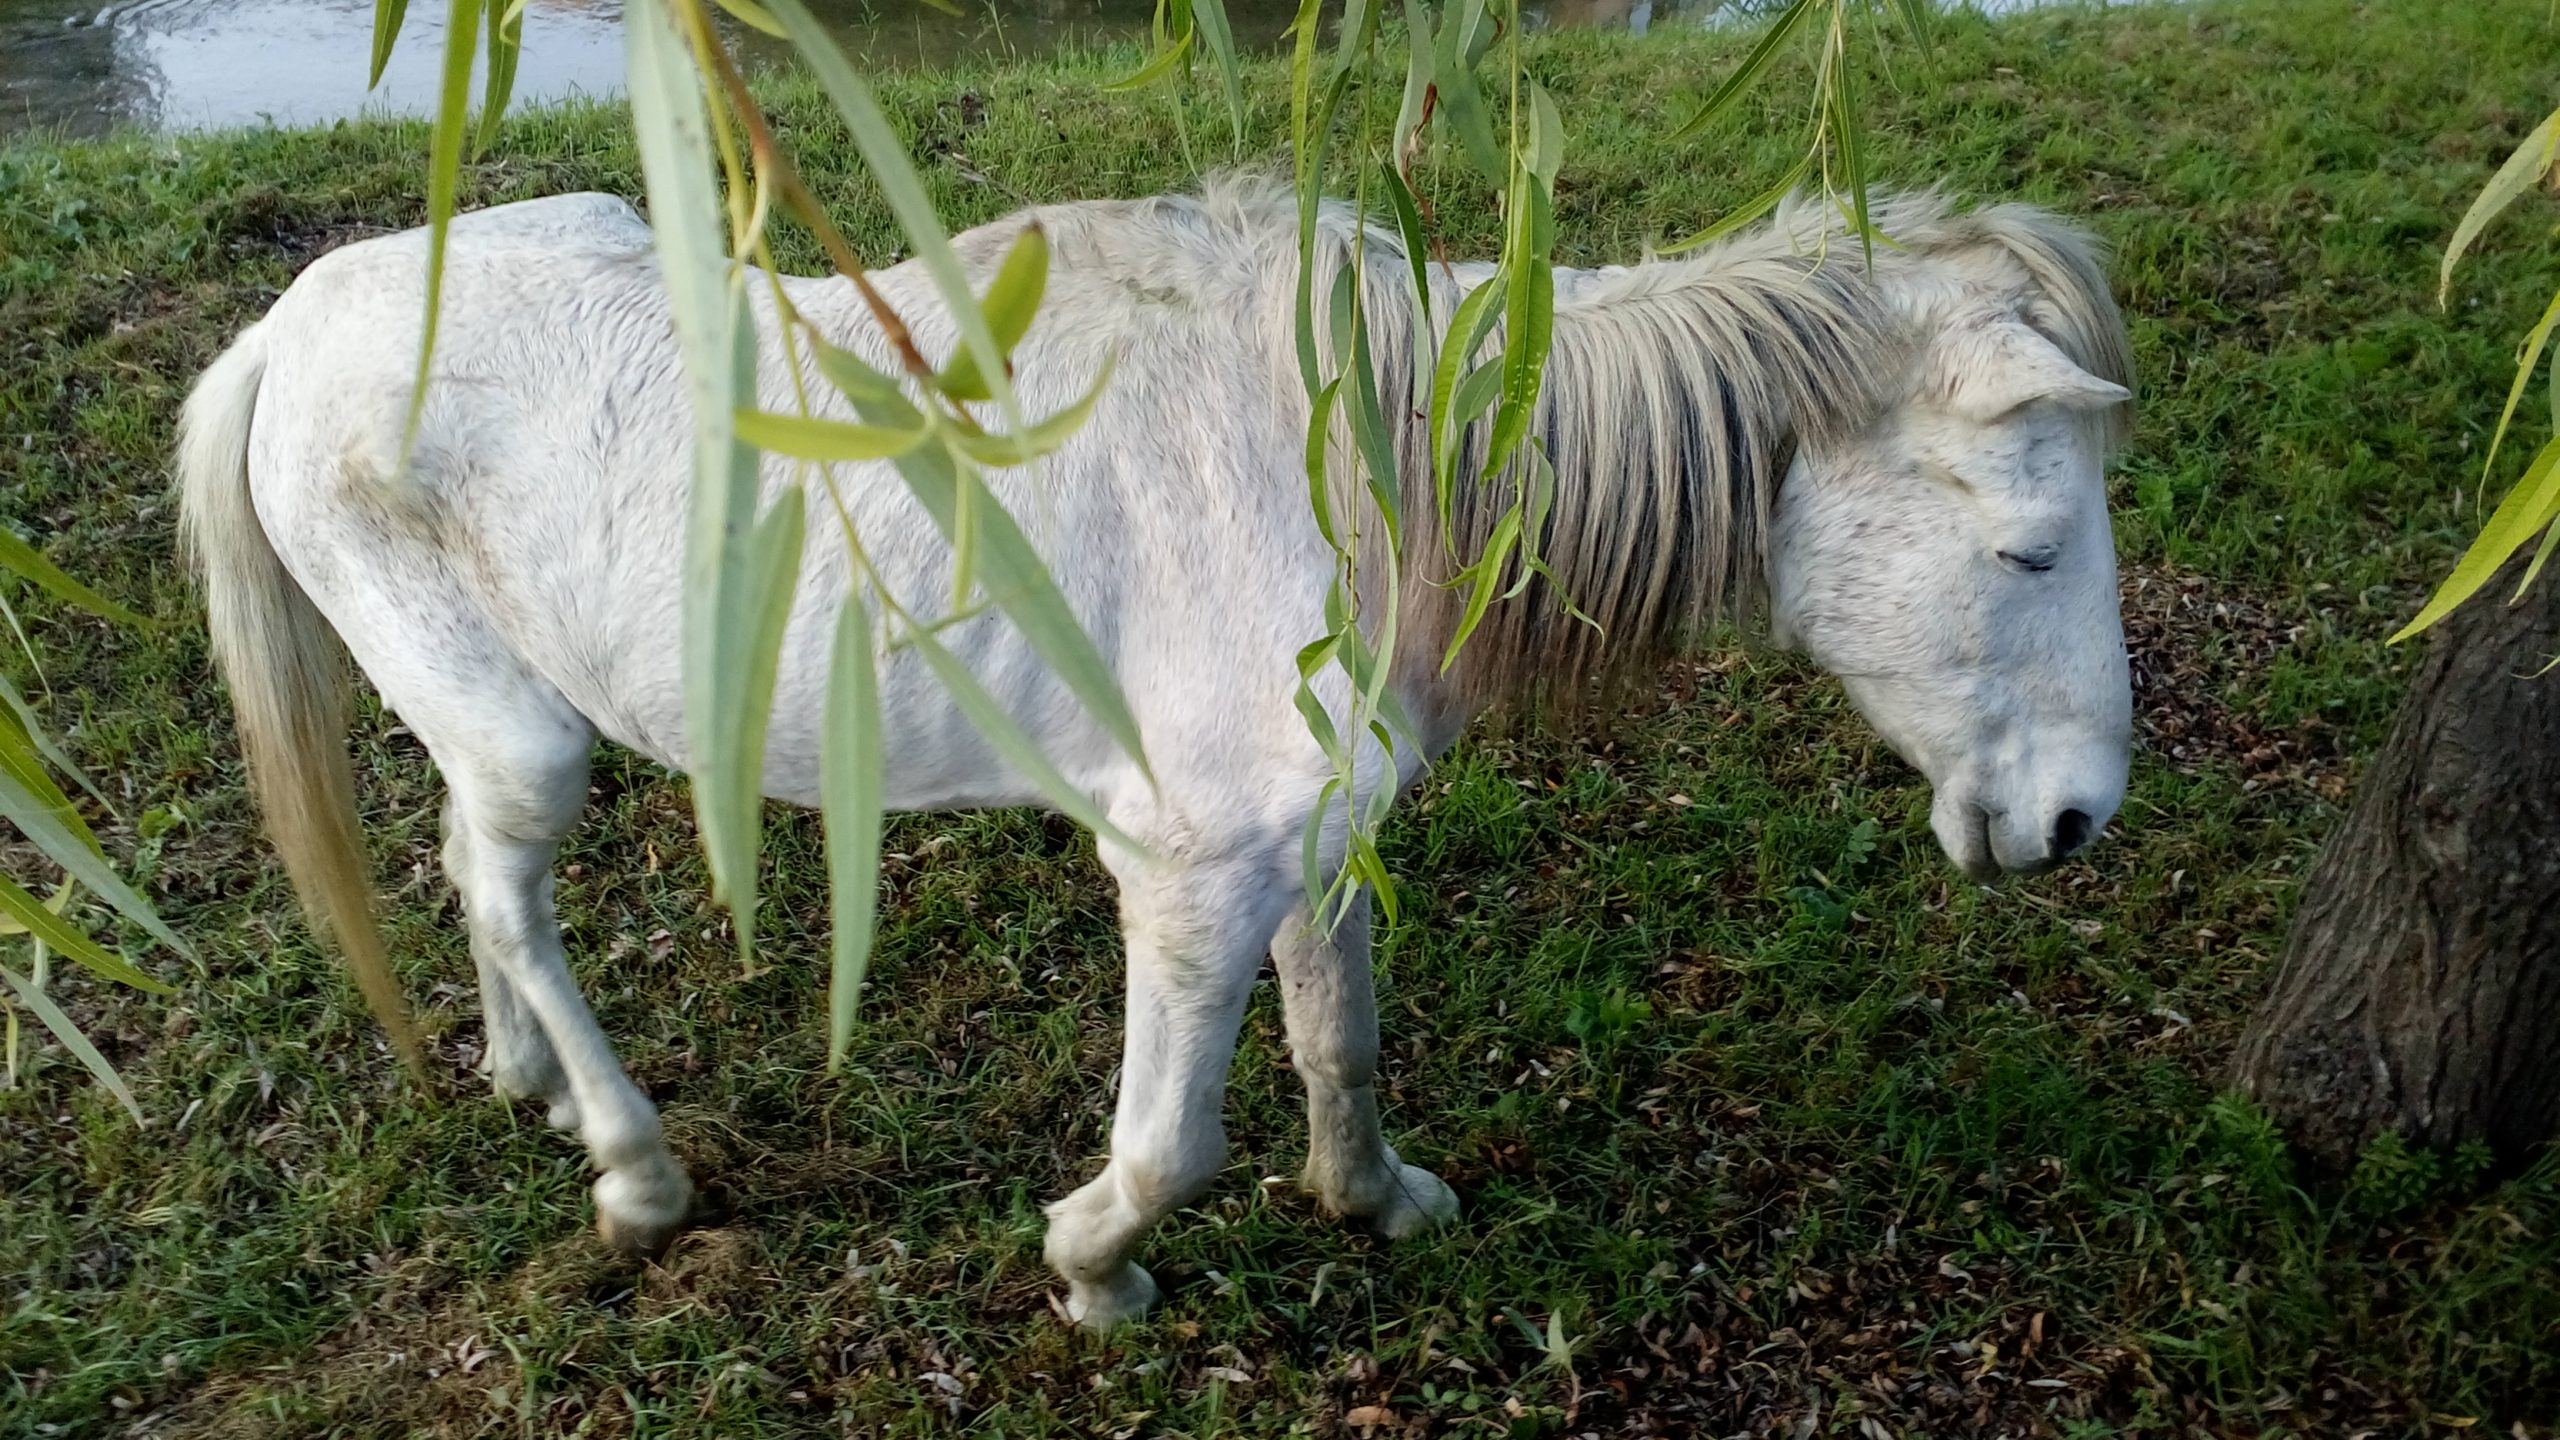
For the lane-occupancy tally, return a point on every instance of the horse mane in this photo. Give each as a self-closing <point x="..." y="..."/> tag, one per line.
<point x="1677" y="393"/>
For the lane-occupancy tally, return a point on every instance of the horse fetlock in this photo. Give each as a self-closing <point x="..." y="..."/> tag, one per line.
<point x="1125" y="1294"/>
<point x="640" y="1208"/>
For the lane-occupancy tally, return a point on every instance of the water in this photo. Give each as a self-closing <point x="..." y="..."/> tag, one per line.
<point x="82" y="69"/>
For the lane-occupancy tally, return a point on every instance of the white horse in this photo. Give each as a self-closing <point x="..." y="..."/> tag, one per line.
<point x="1903" y="462"/>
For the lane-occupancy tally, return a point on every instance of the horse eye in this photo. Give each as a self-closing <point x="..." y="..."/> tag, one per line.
<point x="2034" y="562"/>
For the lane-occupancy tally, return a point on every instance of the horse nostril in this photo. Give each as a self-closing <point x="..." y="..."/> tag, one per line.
<point x="2070" y="831"/>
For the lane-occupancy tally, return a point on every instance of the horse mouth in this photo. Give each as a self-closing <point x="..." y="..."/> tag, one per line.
<point x="1980" y="863"/>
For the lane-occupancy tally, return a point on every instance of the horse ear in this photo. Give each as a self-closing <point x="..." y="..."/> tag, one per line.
<point x="1998" y="368"/>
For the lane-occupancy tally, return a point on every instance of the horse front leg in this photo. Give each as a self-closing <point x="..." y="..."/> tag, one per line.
<point x="1329" y="1001"/>
<point x="1195" y="939"/>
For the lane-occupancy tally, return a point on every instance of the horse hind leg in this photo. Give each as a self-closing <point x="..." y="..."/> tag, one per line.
<point x="1331" y="1008"/>
<point x="516" y="790"/>
<point x="513" y="752"/>
<point x="518" y="1058"/>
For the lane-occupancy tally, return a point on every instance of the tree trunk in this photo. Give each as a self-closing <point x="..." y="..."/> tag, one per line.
<point x="2420" y="988"/>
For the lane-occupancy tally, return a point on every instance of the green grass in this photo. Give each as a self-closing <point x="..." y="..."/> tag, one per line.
<point x="1775" y="1123"/>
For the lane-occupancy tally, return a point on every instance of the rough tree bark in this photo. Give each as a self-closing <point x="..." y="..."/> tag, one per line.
<point x="2420" y="988"/>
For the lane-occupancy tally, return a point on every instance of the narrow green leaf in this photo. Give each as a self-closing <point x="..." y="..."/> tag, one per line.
<point x="1319" y="470"/>
<point x="1158" y="65"/>
<point x="1748" y="211"/>
<point x="1462" y="103"/>
<point x="753" y="632"/>
<point x="1010" y="743"/>
<point x="1015" y="578"/>
<point x="1377" y="445"/>
<point x="40" y="921"/>
<point x="874" y="392"/>
<point x="45" y="744"/>
<point x="1409" y="231"/>
<point x="1421" y="43"/>
<point x="37" y="821"/>
<point x="444" y="178"/>
<point x="2533" y="571"/>
<point x="1483" y="580"/>
<point x="812" y="439"/>
<point x="33" y="997"/>
<point x="852" y="765"/>
<point x="756" y="17"/>
<point x="2527" y="509"/>
<point x="1546" y="137"/>
<point x="886" y="154"/>
<point x="1467" y="329"/>
<point x="1749" y="70"/>
<point x="387" y="15"/>
<point x="2530" y="354"/>
<point x="2530" y="162"/>
<point x="506" y="45"/>
<point x="26" y="561"/>
<point x="1210" y="17"/>
<point x="1852" y="142"/>
<point x="23" y="763"/>
<point x="1476" y="395"/>
<point x="1012" y="298"/>
<point x="708" y="297"/>
<point x="1038" y="438"/>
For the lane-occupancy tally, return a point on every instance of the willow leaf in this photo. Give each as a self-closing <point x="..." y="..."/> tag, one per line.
<point x="444" y="178"/>
<point x="1014" y="577"/>
<point x="1462" y="103"/>
<point x="2527" y="509"/>
<point x="40" y="920"/>
<point x="506" y="46"/>
<point x="2530" y="354"/>
<point x="1038" y="438"/>
<point x="1749" y="70"/>
<point x="387" y="15"/>
<point x="33" y="997"/>
<point x="851" y="789"/>
<point x="754" y="16"/>
<point x="1748" y="211"/>
<point x="38" y="822"/>
<point x="2530" y="162"/>
<point x="809" y="438"/>
<point x="1210" y="18"/>
<point x="45" y="745"/>
<point x="27" y="562"/>
<point x="1852" y="143"/>
<point x="1158" y="65"/>
<point x="23" y="763"/>
<point x="708" y="299"/>
<point x="1012" y="299"/>
<point x="1011" y="745"/>
<point x="1408" y="215"/>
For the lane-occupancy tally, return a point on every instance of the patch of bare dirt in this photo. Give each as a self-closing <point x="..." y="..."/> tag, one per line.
<point x="2201" y="650"/>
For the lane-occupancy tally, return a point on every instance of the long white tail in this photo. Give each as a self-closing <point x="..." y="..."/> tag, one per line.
<point x="288" y="678"/>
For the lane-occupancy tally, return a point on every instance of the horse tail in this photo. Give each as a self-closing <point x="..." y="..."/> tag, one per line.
<point x="288" y="678"/>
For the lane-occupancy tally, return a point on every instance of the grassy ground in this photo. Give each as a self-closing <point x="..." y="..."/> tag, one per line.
<point x="1762" y="1121"/>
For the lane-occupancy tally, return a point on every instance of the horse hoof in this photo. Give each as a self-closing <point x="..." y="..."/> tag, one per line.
<point x="1416" y="1201"/>
<point x="639" y="1241"/>
<point x="1124" y="1296"/>
<point x="642" y="1218"/>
